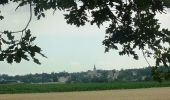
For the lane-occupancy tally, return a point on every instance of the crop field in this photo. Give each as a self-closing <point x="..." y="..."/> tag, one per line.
<point x="45" y="88"/>
<point x="127" y="94"/>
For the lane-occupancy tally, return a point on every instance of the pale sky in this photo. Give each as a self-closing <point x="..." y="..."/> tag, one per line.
<point x="67" y="47"/>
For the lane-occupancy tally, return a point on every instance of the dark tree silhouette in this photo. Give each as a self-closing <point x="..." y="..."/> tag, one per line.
<point x="132" y="24"/>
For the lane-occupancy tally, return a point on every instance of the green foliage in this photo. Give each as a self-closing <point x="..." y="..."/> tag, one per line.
<point x="161" y="73"/>
<point x="18" y="49"/>
<point x="41" y="88"/>
<point x="167" y="3"/>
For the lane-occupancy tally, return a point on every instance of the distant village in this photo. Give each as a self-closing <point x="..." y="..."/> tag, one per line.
<point x="94" y="75"/>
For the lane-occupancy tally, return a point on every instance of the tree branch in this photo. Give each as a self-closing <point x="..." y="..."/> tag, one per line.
<point x="30" y="18"/>
<point x="146" y="58"/>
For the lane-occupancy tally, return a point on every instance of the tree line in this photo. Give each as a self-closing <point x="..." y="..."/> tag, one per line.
<point x="141" y="74"/>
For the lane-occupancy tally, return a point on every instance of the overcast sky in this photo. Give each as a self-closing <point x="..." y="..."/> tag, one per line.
<point x="67" y="47"/>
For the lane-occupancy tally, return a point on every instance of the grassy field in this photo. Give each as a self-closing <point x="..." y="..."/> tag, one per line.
<point x="42" y="88"/>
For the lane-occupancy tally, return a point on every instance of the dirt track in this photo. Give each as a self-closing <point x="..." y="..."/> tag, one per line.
<point x="130" y="94"/>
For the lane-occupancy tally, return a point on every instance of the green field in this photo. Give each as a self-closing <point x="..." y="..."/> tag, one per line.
<point x="41" y="88"/>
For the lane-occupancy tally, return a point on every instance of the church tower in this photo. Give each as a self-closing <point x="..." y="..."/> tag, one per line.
<point x="94" y="70"/>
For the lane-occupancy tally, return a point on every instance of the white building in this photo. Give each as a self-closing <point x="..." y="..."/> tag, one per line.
<point x="134" y="73"/>
<point x="63" y="79"/>
<point x="116" y="74"/>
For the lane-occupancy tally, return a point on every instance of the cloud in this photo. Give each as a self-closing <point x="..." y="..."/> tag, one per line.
<point x="55" y="25"/>
<point x="14" y="20"/>
<point x="164" y="19"/>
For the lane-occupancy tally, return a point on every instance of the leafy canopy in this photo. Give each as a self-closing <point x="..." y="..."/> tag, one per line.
<point x="132" y="25"/>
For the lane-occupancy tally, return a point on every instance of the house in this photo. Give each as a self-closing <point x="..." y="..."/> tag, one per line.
<point x="63" y="79"/>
